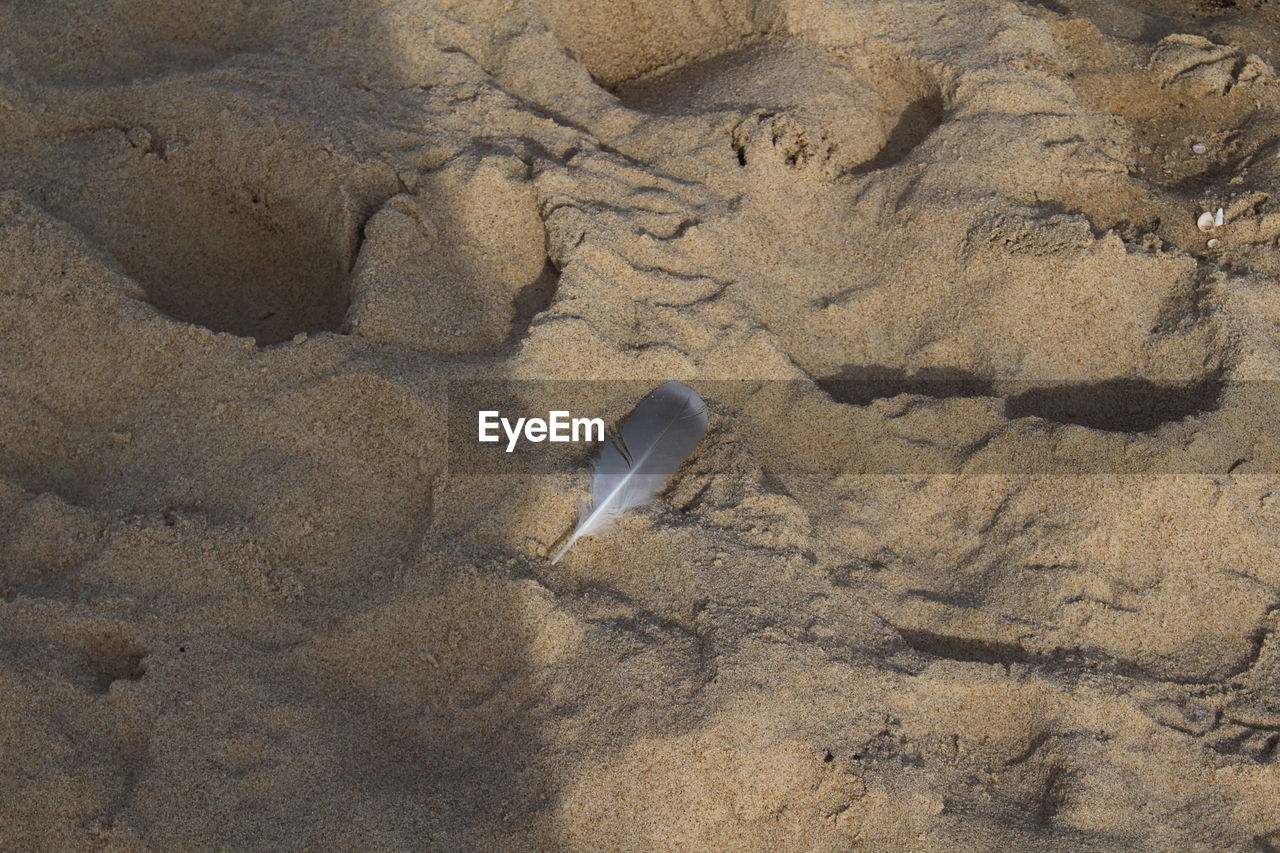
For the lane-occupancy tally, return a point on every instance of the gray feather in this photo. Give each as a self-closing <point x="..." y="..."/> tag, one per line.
<point x="636" y="461"/>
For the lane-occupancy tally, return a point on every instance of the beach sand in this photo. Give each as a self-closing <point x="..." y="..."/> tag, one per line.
<point x="981" y="551"/>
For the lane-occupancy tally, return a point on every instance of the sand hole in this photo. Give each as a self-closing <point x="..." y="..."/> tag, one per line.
<point x="256" y="244"/>
<point x="620" y="40"/>
<point x="259" y="251"/>
<point x="860" y="386"/>
<point x="921" y="115"/>
<point x="915" y="100"/>
<point x="1116" y="405"/>
<point x="113" y="656"/>
<point x="1113" y="405"/>
<point x="802" y="103"/>
<point x="244" y="261"/>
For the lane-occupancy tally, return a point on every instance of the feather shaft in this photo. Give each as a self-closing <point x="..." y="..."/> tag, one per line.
<point x="636" y="463"/>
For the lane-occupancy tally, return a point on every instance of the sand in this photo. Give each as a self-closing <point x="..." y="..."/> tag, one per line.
<point x="981" y="551"/>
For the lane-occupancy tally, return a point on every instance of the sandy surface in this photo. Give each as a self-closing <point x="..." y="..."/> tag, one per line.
<point x="984" y="556"/>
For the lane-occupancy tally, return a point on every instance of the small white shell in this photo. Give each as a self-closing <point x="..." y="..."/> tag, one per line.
<point x="1199" y="148"/>
<point x="1217" y="219"/>
<point x="1214" y="243"/>
<point x="1205" y="222"/>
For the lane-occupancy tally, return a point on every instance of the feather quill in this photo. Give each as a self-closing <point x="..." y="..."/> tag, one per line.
<point x="636" y="461"/>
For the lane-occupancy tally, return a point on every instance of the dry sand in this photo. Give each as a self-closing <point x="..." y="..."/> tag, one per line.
<point x="1017" y="591"/>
